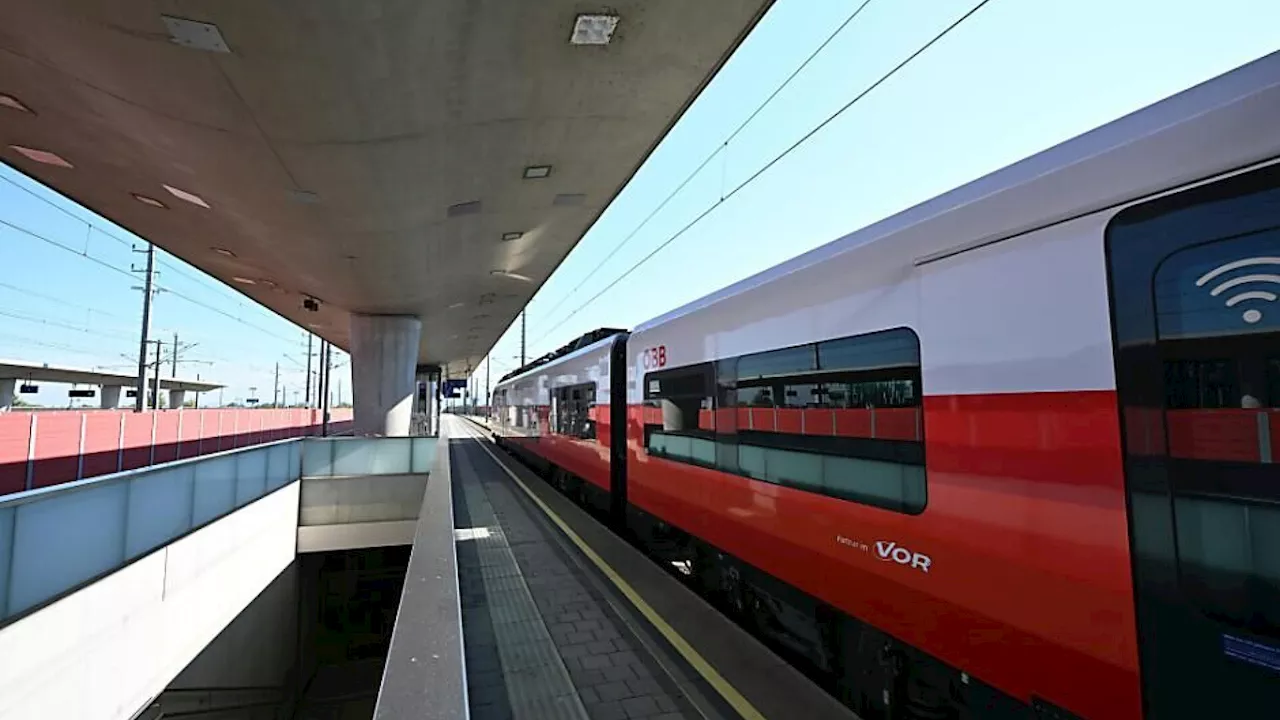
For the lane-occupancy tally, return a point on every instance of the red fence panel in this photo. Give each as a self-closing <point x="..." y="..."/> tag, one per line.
<point x="122" y="440"/>
<point x="57" y="448"/>
<point x="1214" y="434"/>
<point x="101" y="443"/>
<point x="166" y="436"/>
<point x="15" y="443"/>
<point x="137" y="439"/>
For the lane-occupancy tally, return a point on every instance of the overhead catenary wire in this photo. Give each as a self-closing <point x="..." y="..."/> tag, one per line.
<point x="771" y="163"/>
<point x="719" y="149"/>
<point x="64" y="211"/>
<point x="130" y="275"/>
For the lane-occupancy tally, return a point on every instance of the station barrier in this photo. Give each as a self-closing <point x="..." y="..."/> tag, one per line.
<point x="39" y="449"/>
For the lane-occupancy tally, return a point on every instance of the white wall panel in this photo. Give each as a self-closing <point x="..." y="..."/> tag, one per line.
<point x="106" y="650"/>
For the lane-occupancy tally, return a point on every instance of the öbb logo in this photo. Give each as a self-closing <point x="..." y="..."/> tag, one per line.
<point x="887" y="550"/>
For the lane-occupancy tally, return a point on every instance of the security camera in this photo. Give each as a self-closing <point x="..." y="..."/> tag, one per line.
<point x="310" y="304"/>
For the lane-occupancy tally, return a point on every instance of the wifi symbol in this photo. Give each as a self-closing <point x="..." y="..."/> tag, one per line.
<point x="1252" y="315"/>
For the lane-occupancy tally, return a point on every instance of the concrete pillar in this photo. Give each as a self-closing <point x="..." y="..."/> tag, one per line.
<point x="384" y="356"/>
<point x="7" y="388"/>
<point x="176" y="398"/>
<point x="110" y="397"/>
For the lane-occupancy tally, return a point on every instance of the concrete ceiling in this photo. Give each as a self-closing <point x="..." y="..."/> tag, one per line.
<point x="332" y="140"/>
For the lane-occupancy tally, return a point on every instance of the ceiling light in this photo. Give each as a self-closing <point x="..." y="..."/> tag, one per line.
<point x="244" y="281"/>
<point x="14" y="103"/>
<point x="184" y="195"/>
<point x="149" y="201"/>
<point x="456" y="305"/>
<point x="513" y="276"/>
<point x="509" y="236"/>
<point x="569" y="199"/>
<point x="195" y="34"/>
<point x="42" y="156"/>
<point x="534" y="172"/>
<point x="224" y="251"/>
<point x="593" y="29"/>
<point x="315" y="325"/>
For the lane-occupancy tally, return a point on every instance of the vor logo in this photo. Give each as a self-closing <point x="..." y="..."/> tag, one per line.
<point x="888" y="550"/>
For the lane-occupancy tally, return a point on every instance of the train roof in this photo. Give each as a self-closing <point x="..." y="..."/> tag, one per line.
<point x="583" y="342"/>
<point x="1141" y="154"/>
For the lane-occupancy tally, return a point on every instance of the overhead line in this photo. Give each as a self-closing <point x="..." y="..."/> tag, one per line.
<point x="767" y="166"/>
<point x="64" y="211"/>
<point x="719" y="149"/>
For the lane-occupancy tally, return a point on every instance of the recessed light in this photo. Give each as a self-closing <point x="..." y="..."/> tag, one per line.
<point x="224" y="251"/>
<point x="14" y="103"/>
<point x="149" y="201"/>
<point x="534" y="172"/>
<point x="513" y="276"/>
<point x="244" y="280"/>
<point x="184" y="195"/>
<point x="195" y="34"/>
<point x="509" y="236"/>
<point x="593" y="29"/>
<point x="42" y="156"/>
<point x="568" y="199"/>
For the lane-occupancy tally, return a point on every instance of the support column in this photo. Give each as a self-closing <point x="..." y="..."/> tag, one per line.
<point x="110" y="397"/>
<point x="384" y="356"/>
<point x="176" y="399"/>
<point x="7" y="388"/>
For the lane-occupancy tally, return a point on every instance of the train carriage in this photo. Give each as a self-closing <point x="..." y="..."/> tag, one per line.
<point x="1008" y="453"/>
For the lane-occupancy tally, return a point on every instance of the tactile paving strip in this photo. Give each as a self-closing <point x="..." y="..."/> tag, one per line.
<point x="537" y="681"/>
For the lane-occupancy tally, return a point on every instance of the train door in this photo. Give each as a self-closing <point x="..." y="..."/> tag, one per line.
<point x="1194" y="281"/>
<point x="618" y="430"/>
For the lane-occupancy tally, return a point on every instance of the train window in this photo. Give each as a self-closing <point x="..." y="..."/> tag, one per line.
<point x="1218" y="334"/>
<point x="572" y="410"/>
<point x="841" y="418"/>
<point x="678" y="422"/>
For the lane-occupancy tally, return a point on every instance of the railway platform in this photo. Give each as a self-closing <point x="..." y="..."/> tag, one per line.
<point x="563" y="619"/>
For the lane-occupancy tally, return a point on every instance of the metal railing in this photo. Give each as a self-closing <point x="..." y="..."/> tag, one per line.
<point x="57" y="539"/>
<point x="358" y="456"/>
<point x="54" y="540"/>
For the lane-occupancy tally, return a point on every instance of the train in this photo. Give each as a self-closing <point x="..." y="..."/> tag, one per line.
<point x="1009" y="453"/>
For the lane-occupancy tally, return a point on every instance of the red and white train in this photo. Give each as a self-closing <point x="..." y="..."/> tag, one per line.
<point x="1006" y="454"/>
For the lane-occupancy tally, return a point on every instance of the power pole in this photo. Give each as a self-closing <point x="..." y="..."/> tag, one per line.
<point x="275" y="395"/>
<point x="308" y="401"/>
<point x="155" y="391"/>
<point x="174" y="372"/>
<point x="522" y="355"/>
<point x="326" y="370"/>
<point x="148" y="290"/>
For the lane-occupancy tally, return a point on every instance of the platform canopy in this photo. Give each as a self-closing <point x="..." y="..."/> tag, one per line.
<point x="38" y="372"/>
<point x="436" y="159"/>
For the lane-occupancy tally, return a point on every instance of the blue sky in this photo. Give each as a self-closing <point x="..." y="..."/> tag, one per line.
<point x="75" y="305"/>
<point x="1016" y="77"/>
<point x="1013" y="79"/>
